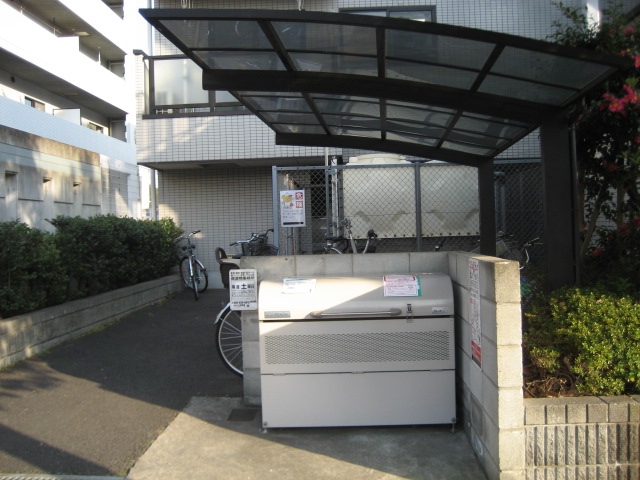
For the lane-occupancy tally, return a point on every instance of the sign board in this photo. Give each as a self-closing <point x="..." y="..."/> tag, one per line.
<point x="298" y="285"/>
<point x="474" y="311"/>
<point x="292" y="208"/>
<point x="243" y="289"/>
<point x="401" y="286"/>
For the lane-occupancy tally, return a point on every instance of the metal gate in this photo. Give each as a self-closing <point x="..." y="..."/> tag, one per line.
<point x="410" y="206"/>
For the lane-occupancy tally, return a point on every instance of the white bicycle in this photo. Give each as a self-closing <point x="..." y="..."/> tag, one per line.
<point x="340" y="244"/>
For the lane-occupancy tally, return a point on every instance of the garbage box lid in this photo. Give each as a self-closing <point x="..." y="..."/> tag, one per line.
<point x="345" y="298"/>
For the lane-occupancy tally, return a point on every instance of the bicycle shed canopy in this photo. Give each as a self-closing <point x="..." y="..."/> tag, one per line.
<point x="424" y="89"/>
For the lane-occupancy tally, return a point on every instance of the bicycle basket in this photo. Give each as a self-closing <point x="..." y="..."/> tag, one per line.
<point x="253" y="248"/>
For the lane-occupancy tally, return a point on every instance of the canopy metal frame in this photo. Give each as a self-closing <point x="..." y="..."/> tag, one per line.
<point x="428" y="90"/>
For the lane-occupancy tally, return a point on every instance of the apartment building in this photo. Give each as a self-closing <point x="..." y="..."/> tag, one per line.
<point x="213" y="158"/>
<point x="67" y="109"/>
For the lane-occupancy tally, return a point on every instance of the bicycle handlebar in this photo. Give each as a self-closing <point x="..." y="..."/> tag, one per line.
<point x="186" y="237"/>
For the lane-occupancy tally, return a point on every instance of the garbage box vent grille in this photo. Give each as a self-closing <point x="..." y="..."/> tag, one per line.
<point x="356" y="347"/>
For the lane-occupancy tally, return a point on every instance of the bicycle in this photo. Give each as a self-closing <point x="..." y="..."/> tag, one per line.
<point x="228" y="322"/>
<point x="340" y="244"/>
<point x="228" y="325"/>
<point x="193" y="273"/>
<point x="508" y="248"/>
<point x="256" y="245"/>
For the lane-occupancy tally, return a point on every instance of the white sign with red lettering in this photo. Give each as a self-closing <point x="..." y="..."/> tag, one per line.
<point x="292" y="209"/>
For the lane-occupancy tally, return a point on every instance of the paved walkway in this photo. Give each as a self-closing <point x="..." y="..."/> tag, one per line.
<point x="94" y="405"/>
<point x="148" y="398"/>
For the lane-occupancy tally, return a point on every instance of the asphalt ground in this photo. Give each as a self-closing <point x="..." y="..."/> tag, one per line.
<point x="92" y="406"/>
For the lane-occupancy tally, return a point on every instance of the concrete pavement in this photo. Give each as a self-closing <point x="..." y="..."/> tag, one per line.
<point x="220" y="438"/>
<point x="147" y="398"/>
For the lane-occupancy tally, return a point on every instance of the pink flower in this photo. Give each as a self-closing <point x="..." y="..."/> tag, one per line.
<point x="631" y="96"/>
<point x="637" y="61"/>
<point x="629" y="31"/>
<point x="616" y="105"/>
<point x="598" y="251"/>
<point x="637" y="138"/>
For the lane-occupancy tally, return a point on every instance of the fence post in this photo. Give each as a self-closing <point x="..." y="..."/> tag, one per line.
<point x="418" y="202"/>
<point x="276" y="206"/>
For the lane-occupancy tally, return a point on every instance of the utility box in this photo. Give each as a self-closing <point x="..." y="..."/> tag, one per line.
<point x="353" y="351"/>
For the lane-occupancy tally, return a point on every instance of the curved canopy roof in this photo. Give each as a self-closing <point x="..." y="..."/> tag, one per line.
<point x="354" y="81"/>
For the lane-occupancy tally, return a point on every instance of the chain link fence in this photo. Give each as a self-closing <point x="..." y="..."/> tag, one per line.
<point x="410" y="206"/>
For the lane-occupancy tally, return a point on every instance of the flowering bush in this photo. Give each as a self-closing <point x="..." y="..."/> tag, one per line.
<point x="584" y="341"/>
<point x="607" y="124"/>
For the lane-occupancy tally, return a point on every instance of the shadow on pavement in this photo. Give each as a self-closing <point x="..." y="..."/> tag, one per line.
<point x="222" y="438"/>
<point x="95" y="404"/>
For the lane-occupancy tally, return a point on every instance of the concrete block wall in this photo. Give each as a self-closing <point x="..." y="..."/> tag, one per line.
<point x="26" y="335"/>
<point x="582" y="437"/>
<point x="490" y="393"/>
<point x="490" y="401"/>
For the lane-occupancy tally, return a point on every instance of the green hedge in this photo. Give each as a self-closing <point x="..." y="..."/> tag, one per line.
<point x="585" y="340"/>
<point x="84" y="257"/>
<point x="589" y="335"/>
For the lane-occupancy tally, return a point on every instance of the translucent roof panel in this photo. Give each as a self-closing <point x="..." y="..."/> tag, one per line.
<point x="385" y="84"/>
<point x="225" y="60"/>
<point x="437" y="49"/>
<point x="324" y="37"/>
<point x="219" y="34"/>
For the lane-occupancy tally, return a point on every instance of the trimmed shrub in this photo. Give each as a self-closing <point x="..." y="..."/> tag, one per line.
<point x="106" y="252"/>
<point x="591" y="336"/>
<point x="31" y="272"/>
<point x="86" y="256"/>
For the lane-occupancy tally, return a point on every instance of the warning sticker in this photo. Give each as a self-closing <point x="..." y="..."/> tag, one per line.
<point x="298" y="285"/>
<point x="401" y="286"/>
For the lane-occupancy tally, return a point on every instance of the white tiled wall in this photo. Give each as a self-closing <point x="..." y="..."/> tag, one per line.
<point x="226" y="204"/>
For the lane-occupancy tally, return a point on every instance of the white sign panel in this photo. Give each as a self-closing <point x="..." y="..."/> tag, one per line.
<point x="298" y="285"/>
<point x="401" y="286"/>
<point x="243" y="289"/>
<point x="292" y="209"/>
<point x="474" y="311"/>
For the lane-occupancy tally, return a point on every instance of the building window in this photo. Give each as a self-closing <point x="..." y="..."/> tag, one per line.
<point x="176" y="88"/>
<point x="420" y="14"/>
<point x="95" y="127"/>
<point x="31" y="102"/>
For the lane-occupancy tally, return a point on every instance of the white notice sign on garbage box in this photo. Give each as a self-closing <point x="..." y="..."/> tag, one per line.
<point x="243" y="289"/>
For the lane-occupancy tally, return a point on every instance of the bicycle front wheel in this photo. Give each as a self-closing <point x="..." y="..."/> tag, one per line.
<point x="185" y="273"/>
<point x="189" y="276"/>
<point x="229" y="340"/>
<point x="200" y="275"/>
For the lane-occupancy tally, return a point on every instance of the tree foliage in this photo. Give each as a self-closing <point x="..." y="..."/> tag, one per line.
<point x="608" y="123"/>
